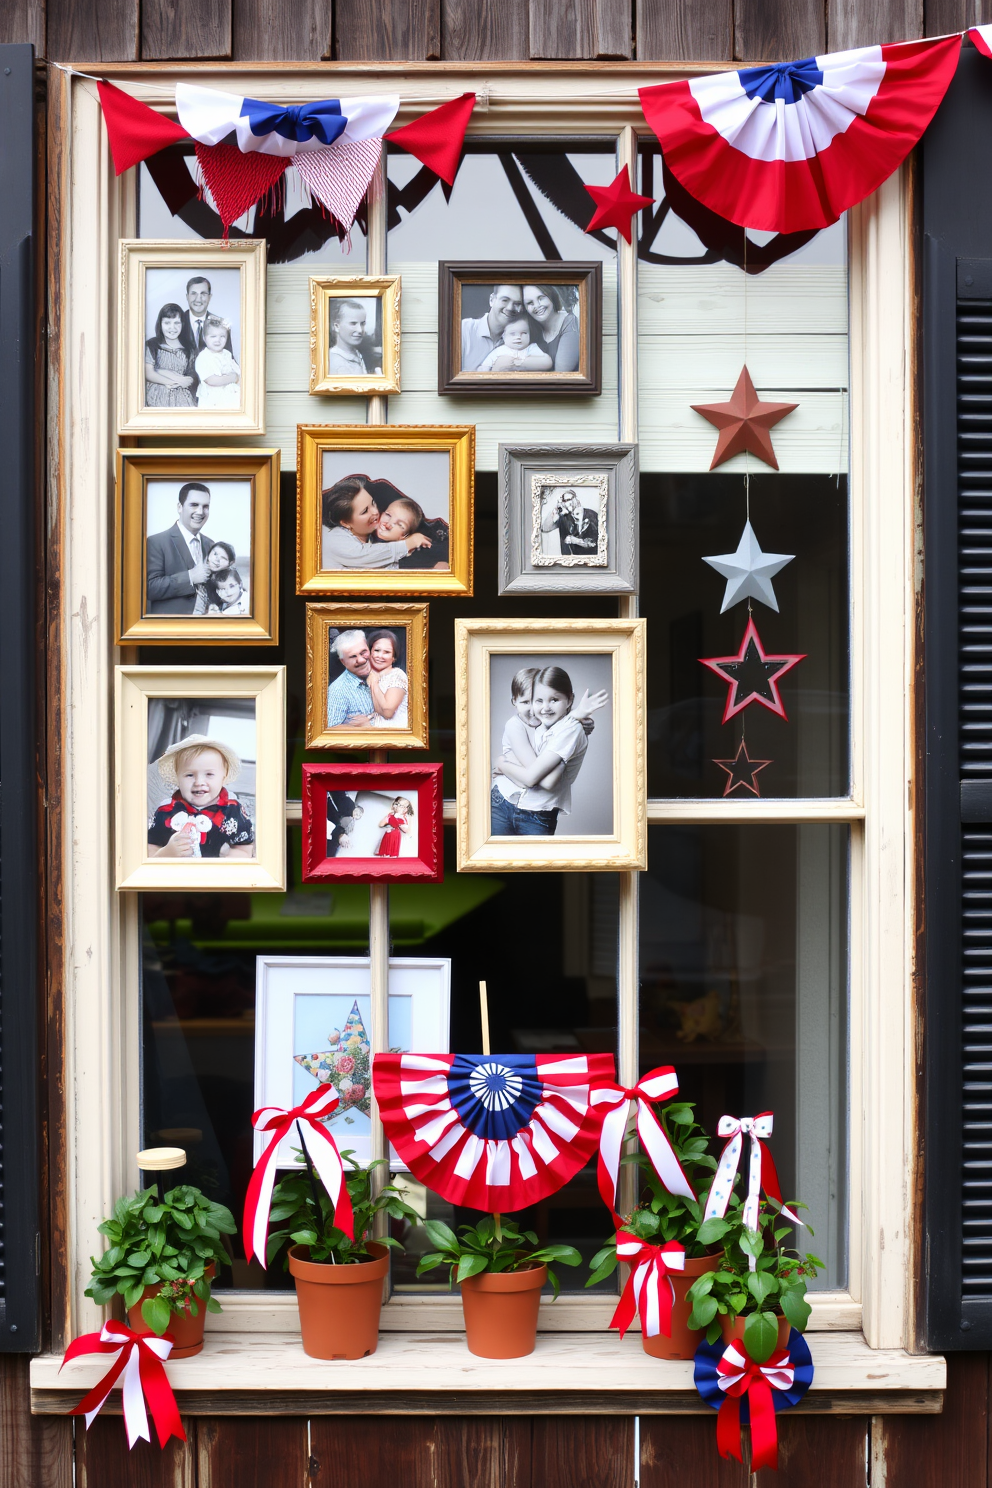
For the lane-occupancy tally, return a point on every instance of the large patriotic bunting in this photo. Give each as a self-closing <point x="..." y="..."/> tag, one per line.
<point x="790" y="147"/>
<point x="496" y="1132"/>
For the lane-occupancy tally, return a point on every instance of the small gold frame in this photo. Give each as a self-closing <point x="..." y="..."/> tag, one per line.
<point x="135" y="468"/>
<point x="325" y="289"/>
<point x="409" y="617"/>
<point x="365" y="439"/>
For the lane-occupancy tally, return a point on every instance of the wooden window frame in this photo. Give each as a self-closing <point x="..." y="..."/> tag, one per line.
<point x="90" y="209"/>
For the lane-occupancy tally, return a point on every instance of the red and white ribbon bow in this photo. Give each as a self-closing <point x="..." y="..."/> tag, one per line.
<point x="140" y="1359"/>
<point x="646" y="1288"/>
<point x="658" y="1084"/>
<point x="324" y="1155"/>
<point x="738" y="1375"/>
<point x="762" y="1173"/>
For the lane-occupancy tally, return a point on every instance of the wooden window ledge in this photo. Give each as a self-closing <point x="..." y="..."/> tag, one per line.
<point x="434" y="1373"/>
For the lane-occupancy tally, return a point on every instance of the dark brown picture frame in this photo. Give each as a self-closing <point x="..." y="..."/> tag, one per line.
<point x="586" y="382"/>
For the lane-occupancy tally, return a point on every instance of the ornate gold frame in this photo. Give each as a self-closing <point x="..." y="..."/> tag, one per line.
<point x="139" y="254"/>
<point x="322" y="291"/>
<point x="478" y="851"/>
<point x="320" y="618"/>
<point x="313" y="439"/>
<point x="134" y="469"/>
<point x="134" y="687"/>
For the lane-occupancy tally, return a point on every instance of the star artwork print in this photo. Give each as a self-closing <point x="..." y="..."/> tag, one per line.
<point x="753" y="675"/>
<point x="345" y="1064"/>
<point x="744" y="422"/>
<point x="741" y="771"/>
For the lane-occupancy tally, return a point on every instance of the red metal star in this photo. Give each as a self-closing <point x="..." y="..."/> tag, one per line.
<point x="752" y="674"/>
<point x="744" y="422"/>
<point x="616" y="204"/>
<point x="741" y="770"/>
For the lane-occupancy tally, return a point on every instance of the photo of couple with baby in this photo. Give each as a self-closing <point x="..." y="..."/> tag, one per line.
<point x="187" y="570"/>
<point x="551" y="745"/>
<point x="394" y="518"/>
<point x="511" y="328"/>
<point x="192" y="330"/>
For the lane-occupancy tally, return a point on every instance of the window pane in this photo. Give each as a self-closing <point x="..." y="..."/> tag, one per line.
<point x="546" y="946"/>
<point x="744" y="989"/>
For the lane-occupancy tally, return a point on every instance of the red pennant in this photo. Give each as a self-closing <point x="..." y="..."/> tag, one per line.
<point x="238" y="181"/>
<point x="134" y="130"/>
<point x="436" y="138"/>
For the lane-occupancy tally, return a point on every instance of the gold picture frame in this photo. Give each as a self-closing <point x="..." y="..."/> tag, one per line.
<point x="138" y="473"/>
<point x="212" y="696"/>
<point x="412" y="620"/>
<point x="177" y="264"/>
<point x="380" y="452"/>
<point x="594" y="654"/>
<point x="324" y="290"/>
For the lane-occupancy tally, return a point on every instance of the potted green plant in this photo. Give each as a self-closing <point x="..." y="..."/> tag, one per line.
<point x="338" y="1280"/>
<point x="162" y="1256"/>
<point x="660" y="1216"/>
<point x="500" y="1271"/>
<point x="755" y="1307"/>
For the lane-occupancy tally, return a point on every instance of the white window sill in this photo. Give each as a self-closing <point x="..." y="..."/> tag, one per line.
<point x="431" y="1373"/>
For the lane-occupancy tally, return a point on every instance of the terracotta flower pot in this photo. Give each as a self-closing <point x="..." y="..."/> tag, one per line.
<point x="501" y="1312"/>
<point x="733" y="1329"/>
<point x="339" y="1305"/>
<point x="184" y="1329"/>
<point x="683" y="1342"/>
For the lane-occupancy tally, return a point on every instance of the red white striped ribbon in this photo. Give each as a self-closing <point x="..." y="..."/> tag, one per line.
<point x="323" y="1152"/>
<point x="140" y="1358"/>
<point x="649" y="1288"/>
<point x="738" y="1375"/>
<point x="658" y="1084"/>
<point x="762" y="1173"/>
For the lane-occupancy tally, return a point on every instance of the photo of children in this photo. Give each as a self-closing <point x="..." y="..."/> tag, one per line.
<point x="192" y="338"/>
<point x="197" y="750"/>
<point x="188" y="569"/>
<point x="380" y="824"/>
<point x="354" y="327"/>
<point x="551" y="745"/>
<point x="384" y="509"/>
<point x="218" y="374"/>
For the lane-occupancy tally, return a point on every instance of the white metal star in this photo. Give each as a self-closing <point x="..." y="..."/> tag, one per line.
<point x="749" y="571"/>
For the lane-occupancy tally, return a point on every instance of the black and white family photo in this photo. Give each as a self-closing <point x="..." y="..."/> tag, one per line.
<point x="372" y="824"/>
<point x="368" y="686"/>
<point x="354" y="336"/>
<point x="511" y="328"/>
<point x="198" y="547"/>
<point x="193" y="339"/>
<point x="201" y="778"/>
<point x="570" y="526"/>
<point x="551" y="745"/>
<point x="385" y="509"/>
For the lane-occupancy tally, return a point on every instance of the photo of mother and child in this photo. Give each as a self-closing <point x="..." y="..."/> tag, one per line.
<point x="544" y="745"/>
<point x="189" y="356"/>
<point x="520" y="328"/>
<point x="371" y="524"/>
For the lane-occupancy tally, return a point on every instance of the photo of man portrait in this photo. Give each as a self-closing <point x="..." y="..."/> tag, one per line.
<point x="199" y="293"/>
<point x="176" y="571"/>
<point x="349" y="696"/>
<point x="577" y="525"/>
<point x="481" y="336"/>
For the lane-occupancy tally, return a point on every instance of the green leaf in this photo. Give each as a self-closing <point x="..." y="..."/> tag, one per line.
<point x="703" y="1312"/>
<point x="603" y="1270"/>
<point x="471" y="1265"/>
<point x="213" y="1305"/>
<point x="712" y="1230"/>
<point x="760" y="1335"/>
<point x="761" y="1286"/>
<point x="567" y="1254"/>
<point x="795" y="1306"/>
<point x="132" y="1294"/>
<point x="440" y="1236"/>
<point x="157" y="1314"/>
<point x="431" y="1260"/>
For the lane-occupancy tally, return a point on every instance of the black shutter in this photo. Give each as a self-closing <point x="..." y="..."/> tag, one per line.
<point x="19" y="1248"/>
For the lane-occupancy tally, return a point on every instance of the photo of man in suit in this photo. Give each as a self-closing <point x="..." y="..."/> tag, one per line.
<point x="176" y="564"/>
<point x="198" y="295"/>
<point x="576" y="525"/>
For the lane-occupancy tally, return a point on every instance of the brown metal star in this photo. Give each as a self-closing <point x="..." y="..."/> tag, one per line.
<point x="744" y="422"/>
<point x="741" y="770"/>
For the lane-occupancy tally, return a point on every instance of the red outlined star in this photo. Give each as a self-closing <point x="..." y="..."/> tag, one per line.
<point x="744" y="422"/>
<point x="752" y="675"/>
<point x="616" y="204"/>
<point x="741" y="770"/>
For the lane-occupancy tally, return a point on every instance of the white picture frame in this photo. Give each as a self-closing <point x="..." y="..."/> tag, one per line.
<point x="286" y="989"/>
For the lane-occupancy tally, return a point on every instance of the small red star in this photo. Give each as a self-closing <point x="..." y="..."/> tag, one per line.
<point x="744" y="422"/>
<point x="616" y="204"/>
<point x="752" y="674"/>
<point x="741" y="770"/>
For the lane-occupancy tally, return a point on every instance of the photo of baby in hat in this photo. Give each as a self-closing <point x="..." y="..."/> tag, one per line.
<point x="202" y="819"/>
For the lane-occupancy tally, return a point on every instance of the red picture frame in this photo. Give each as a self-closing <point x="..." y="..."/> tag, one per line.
<point x="424" y="865"/>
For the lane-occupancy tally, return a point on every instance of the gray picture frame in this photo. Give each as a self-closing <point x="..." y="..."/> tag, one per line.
<point x="523" y="470"/>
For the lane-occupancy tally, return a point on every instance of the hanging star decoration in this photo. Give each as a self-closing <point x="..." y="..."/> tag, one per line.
<point x="749" y="571"/>
<point x="741" y="771"/>
<point x="616" y="204"/>
<point x="744" y="422"/>
<point x="752" y="675"/>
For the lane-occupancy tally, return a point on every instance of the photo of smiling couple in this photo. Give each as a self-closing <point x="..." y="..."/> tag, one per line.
<point x="551" y="743"/>
<point x="368" y="685"/>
